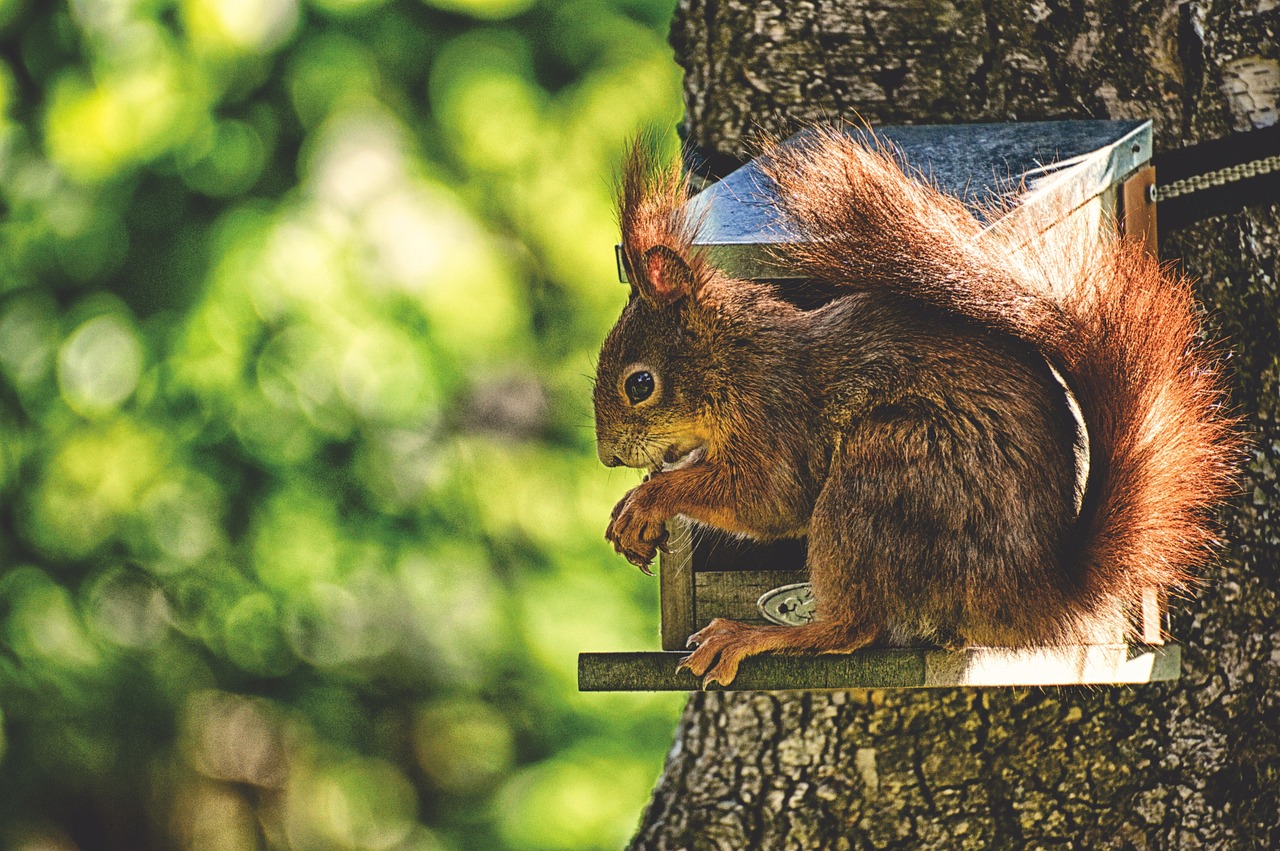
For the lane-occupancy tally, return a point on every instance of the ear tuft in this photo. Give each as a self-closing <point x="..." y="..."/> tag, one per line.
<point x="657" y="227"/>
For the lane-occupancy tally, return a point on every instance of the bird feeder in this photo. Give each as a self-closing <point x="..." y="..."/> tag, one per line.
<point x="1041" y="176"/>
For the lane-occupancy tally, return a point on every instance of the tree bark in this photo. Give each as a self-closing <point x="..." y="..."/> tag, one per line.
<point x="1191" y="764"/>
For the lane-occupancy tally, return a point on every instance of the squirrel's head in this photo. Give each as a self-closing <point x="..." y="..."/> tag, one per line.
<point x="650" y="393"/>
<point x="649" y="398"/>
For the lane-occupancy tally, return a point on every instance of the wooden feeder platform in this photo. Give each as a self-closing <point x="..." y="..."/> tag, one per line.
<point x="1092" y="664"/>
<point x="1091" y="174"/>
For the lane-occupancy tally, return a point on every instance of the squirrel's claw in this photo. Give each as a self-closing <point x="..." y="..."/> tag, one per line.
<point x="722" y="673"/>
<point x="636" y="532"/>
<point x="725" y="672"/>
<point x="637" y="556"/>
<point x="719" y="648"/>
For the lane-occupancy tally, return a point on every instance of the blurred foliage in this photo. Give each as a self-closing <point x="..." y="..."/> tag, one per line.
<point x="302" y="516"/>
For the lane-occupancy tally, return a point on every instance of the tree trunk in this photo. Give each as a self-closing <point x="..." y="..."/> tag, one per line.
<point x="1190" y="764"/>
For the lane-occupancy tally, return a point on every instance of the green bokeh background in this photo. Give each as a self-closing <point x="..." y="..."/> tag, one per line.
<point x="299" y="301"/>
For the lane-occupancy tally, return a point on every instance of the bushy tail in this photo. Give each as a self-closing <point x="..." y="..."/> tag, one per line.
<point x="1123" y="332"/>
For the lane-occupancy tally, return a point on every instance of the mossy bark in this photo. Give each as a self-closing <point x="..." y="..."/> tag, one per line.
<point x="1190" y="764"/>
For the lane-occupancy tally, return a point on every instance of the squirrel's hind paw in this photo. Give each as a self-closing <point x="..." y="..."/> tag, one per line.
<point x="723" y="644"/>
<point x="719" y="648"/>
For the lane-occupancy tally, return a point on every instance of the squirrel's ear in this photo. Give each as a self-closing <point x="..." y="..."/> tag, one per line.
<point x="667" y="276"/>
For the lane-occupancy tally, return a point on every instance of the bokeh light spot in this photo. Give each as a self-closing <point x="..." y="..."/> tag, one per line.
<point x="457" y="604"/>
<point x="235" y="738"/>
<point x="181" y="522"/>
<point x="253" y="637"/>
<point x="327" y="70"/>
<point x="240" y="26"/>
<point x="356" y="804"/>
<point x="486" y="101"/>
<point x="95" y="130"/>
<point x="213" y="817"/>
<point x="28" y="337"/>
<point x="92" y="481"/>
<point x="296" y="540"/>
<point x="233" y="163"/>
<point x="99" y="365"/>
<point x="462" y="745"/>
<point x="382" y="376"/>
<point x="331" y="625"/>
<point x="44" y="626"/>
<point x="128" y="608"/>
<point x="359" y="155"/>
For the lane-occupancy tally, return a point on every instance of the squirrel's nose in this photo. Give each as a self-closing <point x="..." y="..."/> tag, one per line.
<point x="606" y="452"/>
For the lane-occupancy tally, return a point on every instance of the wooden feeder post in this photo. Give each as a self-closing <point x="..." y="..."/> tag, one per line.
<point x="1045" y="175"/>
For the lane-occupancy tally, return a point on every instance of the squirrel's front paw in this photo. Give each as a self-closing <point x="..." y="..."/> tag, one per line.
<point x="637" y="530"/>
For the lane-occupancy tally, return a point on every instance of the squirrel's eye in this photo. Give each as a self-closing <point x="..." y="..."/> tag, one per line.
<point x="639" y="386"/>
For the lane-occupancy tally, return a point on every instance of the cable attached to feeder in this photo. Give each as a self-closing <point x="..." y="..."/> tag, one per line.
<point x="1217" y="177"/>
<point x="1221" y="177"/>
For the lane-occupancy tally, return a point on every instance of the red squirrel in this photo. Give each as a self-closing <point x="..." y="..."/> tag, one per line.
<point x="912" y="427"/>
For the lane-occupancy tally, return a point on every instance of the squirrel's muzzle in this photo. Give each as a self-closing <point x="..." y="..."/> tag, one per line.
<point x="607" y="452"/>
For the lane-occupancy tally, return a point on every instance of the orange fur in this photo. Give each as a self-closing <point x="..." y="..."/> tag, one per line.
<point x="910" y="426"/>
<point x="1126" y="335"/>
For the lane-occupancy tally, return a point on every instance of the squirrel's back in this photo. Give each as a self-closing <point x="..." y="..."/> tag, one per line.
<point x="1124" y="333"/>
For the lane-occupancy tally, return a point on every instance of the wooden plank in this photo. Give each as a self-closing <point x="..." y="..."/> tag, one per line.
<point x="675" y="586"/>
<point x="1085" y="664"/>
<point x="1097" y="664"/>
<point x="656" y="671"/>
<point x="734" y="594"/>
